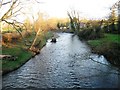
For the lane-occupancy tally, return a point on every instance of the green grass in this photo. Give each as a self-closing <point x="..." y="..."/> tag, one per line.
<point x="108" y="38"/>
<point x="22" y="55"/>
<point x="18" y="50"/>
<point x="109" y="46"/>
<point x="112" y="38"/>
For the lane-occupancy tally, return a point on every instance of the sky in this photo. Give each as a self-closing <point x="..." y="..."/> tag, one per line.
<point x="91" y="9"/>
<point x="86" y="8"/>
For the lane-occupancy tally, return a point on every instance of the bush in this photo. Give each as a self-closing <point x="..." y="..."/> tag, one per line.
<point x="6" y="37"/>
<point x="10" y="37"/>
<point x="111" y="51"/>
<point x="113" y="28"/>
<point x="90" y="34"/>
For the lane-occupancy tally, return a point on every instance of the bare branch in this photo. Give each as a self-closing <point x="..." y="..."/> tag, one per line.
<point x="1" y="3"/>
<point x="6" y="3"/>
<point x="8" y="13"/>
<point x="17" y="11"/>
<point x="38" y="1"/>
<point x="14" y="25"/>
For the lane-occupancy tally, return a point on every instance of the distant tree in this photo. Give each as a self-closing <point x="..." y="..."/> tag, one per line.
<point x="74" y="21"/>
<point x="114" y="20"/>
<point x="58" y="25"/>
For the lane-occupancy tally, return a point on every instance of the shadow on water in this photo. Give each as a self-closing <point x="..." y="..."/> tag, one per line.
<point x="68" y="63"/>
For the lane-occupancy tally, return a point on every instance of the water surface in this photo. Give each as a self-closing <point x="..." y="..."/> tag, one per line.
<point x="68" y="63"/>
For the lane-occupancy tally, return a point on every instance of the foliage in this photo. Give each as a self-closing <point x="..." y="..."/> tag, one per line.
<point x="109" y="46"/>
<point x="20" y="50"/>
<point x="115" y="38"/>
<point x="90" y="34"/>
<point x="113" y="22"/>
<point x="10" y="37"/>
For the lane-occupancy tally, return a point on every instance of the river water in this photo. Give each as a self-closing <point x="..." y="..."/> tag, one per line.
<point x="68" y="63"/>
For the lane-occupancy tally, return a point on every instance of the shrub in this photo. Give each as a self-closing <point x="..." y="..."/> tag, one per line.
<point x="111" y="51"/>
<point x="90" y="34"/>
<point x="6" y="37"/>
<point x="10" y="37"/>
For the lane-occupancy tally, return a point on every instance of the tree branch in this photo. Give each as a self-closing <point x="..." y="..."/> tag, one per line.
<point x="6" y="2"/>
<point x="8" y="13"/>
<point x="14" y="25"/>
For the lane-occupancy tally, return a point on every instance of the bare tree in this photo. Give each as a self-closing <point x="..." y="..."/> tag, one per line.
<point x="40" y="26"/>
<point x="13" y="11"/>
<point x="10" y="17"/>
<point x="74" y="20"/>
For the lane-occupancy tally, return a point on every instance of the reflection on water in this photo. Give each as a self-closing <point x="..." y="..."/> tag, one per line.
<point x="68" y="63"/>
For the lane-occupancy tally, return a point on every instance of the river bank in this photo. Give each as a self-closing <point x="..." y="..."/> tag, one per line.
<point x="21" y="53"/>
<point x="102" y="43"/>
<point x="68" y="63"/>
<point x="109" y="46"/>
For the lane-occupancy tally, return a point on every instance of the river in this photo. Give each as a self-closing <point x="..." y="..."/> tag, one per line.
<point x="68" y="63"/>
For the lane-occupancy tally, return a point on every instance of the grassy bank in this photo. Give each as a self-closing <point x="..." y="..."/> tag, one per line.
<point x="21" y="54"/>
<point x="109" y="46"/>
<point x="19" y="50"/>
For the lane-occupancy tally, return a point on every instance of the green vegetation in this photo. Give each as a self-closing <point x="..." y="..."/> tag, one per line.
<point x="22" y="40"/>
<point x="108" y="38"/>
<point x="22" y="57"/>
<point x="108" y="46"/>
<point x="21" y="52"/>
<point x="102" y="35"/>
<point x="90" y="34"/>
